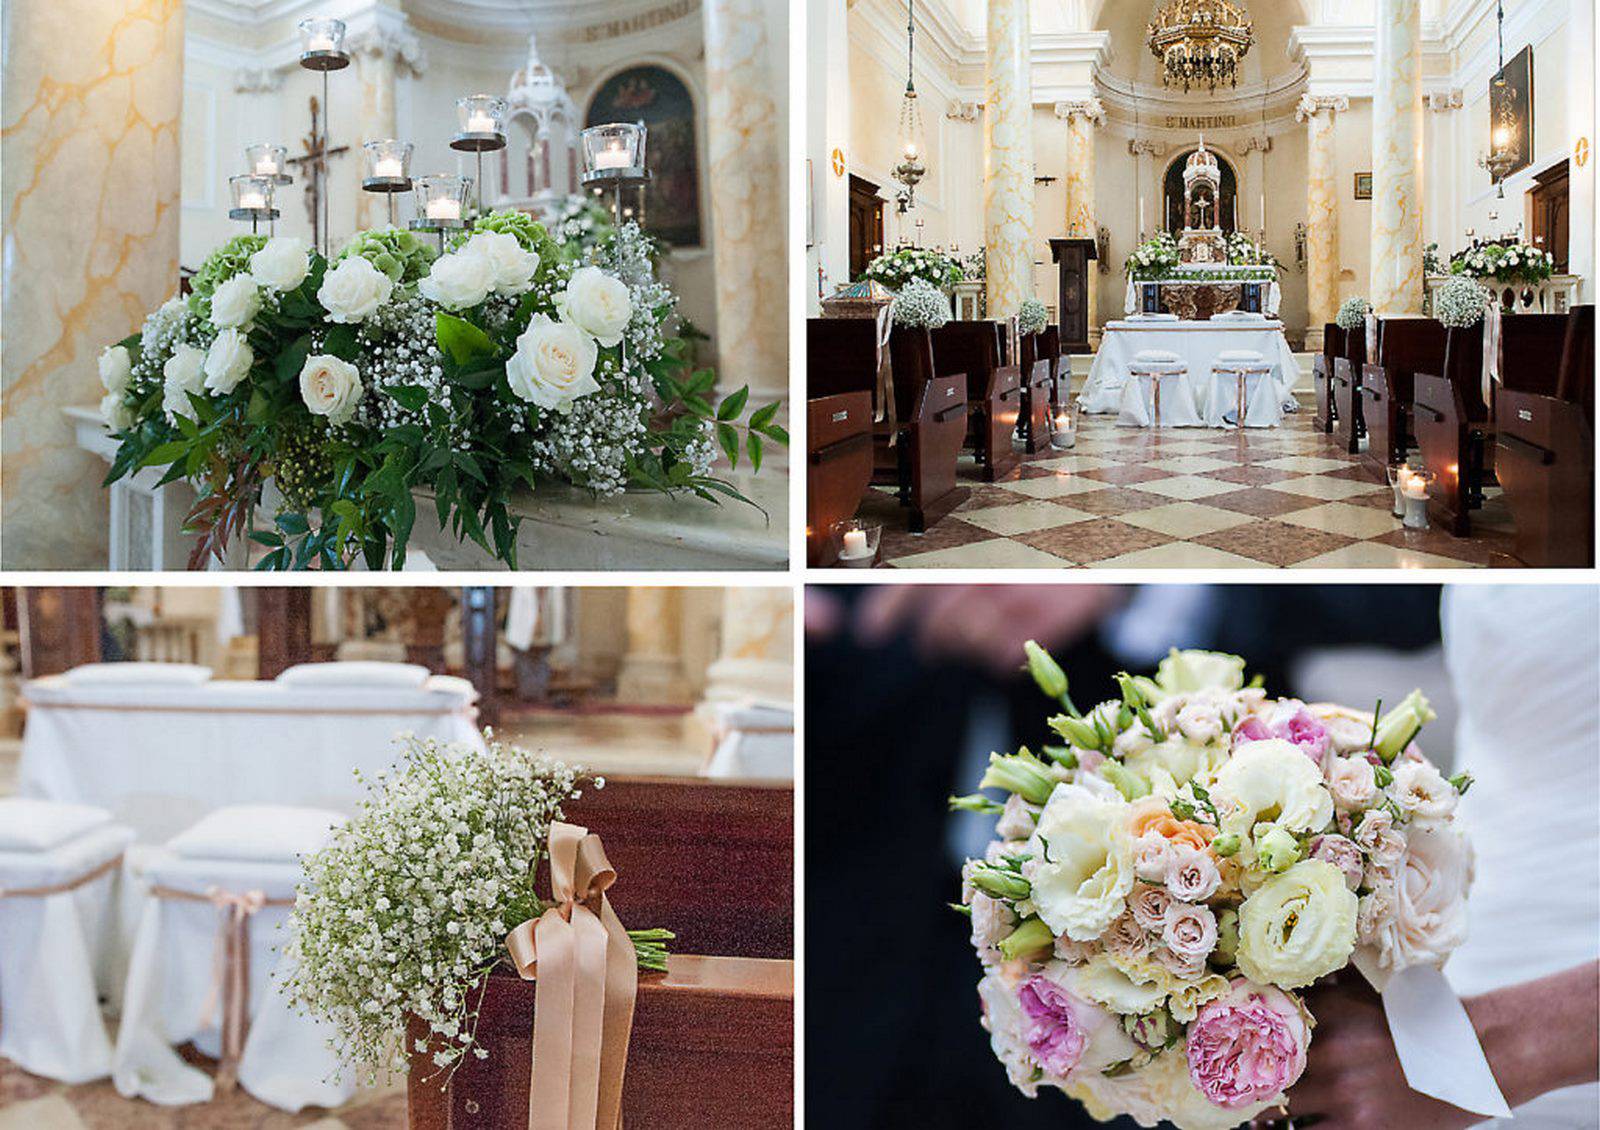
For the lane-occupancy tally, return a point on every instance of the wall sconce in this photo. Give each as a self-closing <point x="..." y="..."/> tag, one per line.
<point x="1300" y="234"/>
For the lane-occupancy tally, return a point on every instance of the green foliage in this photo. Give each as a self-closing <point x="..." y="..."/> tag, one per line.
<point x="232" y="258"/>
<point x="402" y="255"/>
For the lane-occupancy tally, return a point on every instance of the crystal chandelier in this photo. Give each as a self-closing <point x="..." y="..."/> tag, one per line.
<point x="910" y="171"/>
<point x="1200" y="42"/>
<point x="1504" y="150"/>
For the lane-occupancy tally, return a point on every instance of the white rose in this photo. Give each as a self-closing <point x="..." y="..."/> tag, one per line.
<point x="1352" y="782"/>
<point x="116" y="369"/>
<point x="1085" y="863"/>
<point x="598" y="303"/>
<point x="185" y="373"/>
<point x="330" y="387"/>
<point x="1421" y="790"/>
<point x="1200" y="722"/>
<point x="459" y="281"/>
<point x="1430" y="900"/>
<point x="553" y="365"/>
<point x="353" y="289"/>
<point x="513" y="267"/>
<point x="235" y="302"/>
<point x="1152" y="857"/>
<point x="282" y="264"/>
<point x="117" y="415"/>
<point x="1271" y="778"/>
<point x="228" y="361"/>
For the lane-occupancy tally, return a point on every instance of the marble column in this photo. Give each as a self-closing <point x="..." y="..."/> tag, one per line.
<point x="1581" y="148"/>
<point x="383" y="55"/>
<point x="1322" y="212"/>
<point x="1008" y="158"/>
<point x="652" y="667"/>
<point x="1082" y="117"/>
<point x="756" y="660"/>
<point x="89" y="141"/>
<point x="1397" y="285"/>
<point x="747" y="140"/>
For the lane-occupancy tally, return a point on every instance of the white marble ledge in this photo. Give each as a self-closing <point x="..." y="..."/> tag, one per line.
<point x="563" y="527"/>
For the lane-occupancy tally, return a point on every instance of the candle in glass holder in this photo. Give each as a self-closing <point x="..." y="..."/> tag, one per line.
<point x="252" y="200"/>
<point x="1416" y="486"/>
<point x="388" y="167"/>
<point x="855" y="543"/>
<point x="444" y="208"/>
<point x="480" y="123"/>
<point x="612" y="156"/>
<point x="266" y="167"/>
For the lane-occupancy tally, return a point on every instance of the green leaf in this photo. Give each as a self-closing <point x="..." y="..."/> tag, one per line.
<point x="467" y="463"/>
<point x="774" y="432"/>
<point x="753" y="442"/>
<point x="478" y="376"/>
<point x="341" y="342"/>
<point x="293" y="359"/>
<point x="166" y="453"/>
<point x="259" y="410"/>
<point x="463" y="342"/>
<point x="762" y="416"/>
<point x="698" y="406"/>
<point x="728" y="440"/>
<point x="409" y="397"/>
<point x="733" y="405"/>
<point x="293" y="524"/>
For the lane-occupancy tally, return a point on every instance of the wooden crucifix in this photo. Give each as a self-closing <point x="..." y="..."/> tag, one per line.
<point x="315" y="170"/>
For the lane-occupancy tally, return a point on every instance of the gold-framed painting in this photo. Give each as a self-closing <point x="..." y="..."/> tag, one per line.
<point x="1363" y="186"/>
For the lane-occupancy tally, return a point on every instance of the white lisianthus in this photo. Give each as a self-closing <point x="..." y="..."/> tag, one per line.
<point x="353" y="290"/>
<point x="460" y="280"/>
<point x="1297" y="926"/>
<point x="1101" y="980"/>
<point x="1084" y="863"/>
<point x="1429" y="917"/>
<point x="330" y="387"/>
<point x="117" y="415"/>
<point x="235" y="302"/>
<point x="513" y="267"/>
<point x="1271" y="780"/>
<point x="553" y="365"/>
<point x="185" y="373"/>
<point x="1199" y="671"/>
<point x="597" y="303"/>
<point x="228" y="361"/>
<point x="282" y="264"/>
<point x="1421" y="790"/>
<point x="116" y="369"/>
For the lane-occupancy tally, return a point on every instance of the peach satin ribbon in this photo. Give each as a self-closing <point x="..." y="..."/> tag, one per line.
<point x="587" y="978"/>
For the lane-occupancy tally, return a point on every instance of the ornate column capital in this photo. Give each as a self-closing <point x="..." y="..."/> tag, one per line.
<point x="1090" y="109"/>
<point x="959" y="111"/>
<point x="1141" y="146"/>
<point x="1443" y="101"/>
<point x="396" y="43"/>
<point x="1310" y="105"/>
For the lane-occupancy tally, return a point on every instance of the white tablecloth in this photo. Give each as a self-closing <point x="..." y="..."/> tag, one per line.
<point x="1271" y="298"/>
<point x="162" y="757"/>
<point x="1198" y="343"/>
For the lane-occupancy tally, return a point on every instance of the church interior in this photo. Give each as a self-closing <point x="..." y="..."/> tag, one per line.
<point x="1161" y="177"/>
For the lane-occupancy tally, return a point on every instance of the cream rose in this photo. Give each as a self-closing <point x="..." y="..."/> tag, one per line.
<point x="117" y="415"/>
<point x="513" y="267"/>
<point x="353" y="290"/>
<point x="1084" y="863"/>
<point x="282" y="264"/>
<point x="1352" y="782"/>
<point x="598" y="303"/>
<point x="1421" y="790"/>
<point x="184" y="373"/>
<point x="116" y="369"/>
<point x="1297" y="926"/>
<point x="1430" y="900"/>
<point x="459" y="281"/>
<point x="228" y="361"/>
<point x="553" y="365"/>
<point x="1271" y="779"/>
<point x="235" y="302"/>
<point x="330" y="387"/>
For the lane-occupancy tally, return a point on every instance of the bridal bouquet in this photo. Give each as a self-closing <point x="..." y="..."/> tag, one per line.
<point x="353" y="384"/>
<point x="1163" y="884"/>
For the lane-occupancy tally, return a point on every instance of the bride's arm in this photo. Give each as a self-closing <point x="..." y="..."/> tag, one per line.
<point x="1538" y="1036"/>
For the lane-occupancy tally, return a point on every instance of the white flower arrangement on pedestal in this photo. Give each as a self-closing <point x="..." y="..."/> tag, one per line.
<point x="894" y="269"/>
<point x="1032" y="316"/>
<point x="1460" y="303"/>
<point x="1352" y="313"/>
<point x="920" y="303"/>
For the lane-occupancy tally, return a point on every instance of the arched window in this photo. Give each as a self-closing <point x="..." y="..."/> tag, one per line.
<point x="1172" y="193"/>
<point x="657" y="97"/>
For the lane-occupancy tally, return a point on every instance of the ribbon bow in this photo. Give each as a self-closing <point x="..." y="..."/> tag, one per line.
<point x="231" y="980"/>
<point x="587" y="977"/>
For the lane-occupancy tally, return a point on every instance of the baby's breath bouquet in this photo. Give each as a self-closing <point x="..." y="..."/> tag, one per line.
<point x="894" y="269"/>
<point x="1032" y="316"/>
<point x="920" y="303"/>
<point x="1460" y="303"/>
<point x="1352" y="313"/>
<point x="405" y="911"/>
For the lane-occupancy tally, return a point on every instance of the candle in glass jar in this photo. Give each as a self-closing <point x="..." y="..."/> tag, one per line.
<point x="1416" y="487"/>
<point x="480" y="123"/>
<point x="252" y="201"/>
<point x="266" y="167"/>
<point x="320" y="42"/>
<point x="611" y="157"/>
<point x="855" y="543"/>
<point x="388" y="167"/>
<point x="444" y="208"/>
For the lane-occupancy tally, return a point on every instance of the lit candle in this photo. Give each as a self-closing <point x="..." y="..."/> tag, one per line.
<point x="855" y="544"/>
<point x="444" y="208"/>
<point x="388" y="167"/>
<point x="611" y="157"/>
<point x="480" y="123"/>
<point x="1416" y="487"/>
<point x="252" y="201"/>
<point x="320" y="42"/>
<point x="266" y="167"/>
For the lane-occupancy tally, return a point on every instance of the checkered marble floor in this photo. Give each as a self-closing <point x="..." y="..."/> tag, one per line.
<point x="1184" y="498"/>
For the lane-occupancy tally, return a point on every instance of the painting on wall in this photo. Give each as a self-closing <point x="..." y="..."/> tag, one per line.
<point x="1363" y="186"/>
<point x="658" y="98"/>
<point x="1517" y="110"/>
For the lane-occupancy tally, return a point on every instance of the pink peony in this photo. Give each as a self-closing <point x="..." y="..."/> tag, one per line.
<point x="1304" y="730"/>
<point x="1247" y="1046"/>
<point x="1057" y="1036"/>
<point x="1252" y="729"/>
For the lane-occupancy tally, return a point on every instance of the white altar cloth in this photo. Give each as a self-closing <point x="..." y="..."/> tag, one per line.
<point x="1198" y="343"/>
<point x="159" y="758"/>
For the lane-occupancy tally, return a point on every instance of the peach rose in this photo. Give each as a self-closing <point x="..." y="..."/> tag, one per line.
<point x="1153" y="815"/>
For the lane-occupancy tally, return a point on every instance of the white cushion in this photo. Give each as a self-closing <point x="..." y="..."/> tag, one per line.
<point x="1156" y="355"/>
<point x="355" y="673"/>
<point x="1239" y="355"/>
<point x="1163" y="368"/>
<point x="39" y="825"/>
<point x="138" y="674"/>
<point x="257" y="832"/>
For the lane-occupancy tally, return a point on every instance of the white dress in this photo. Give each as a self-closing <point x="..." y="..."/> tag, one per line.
<point x="1525" y="661"/>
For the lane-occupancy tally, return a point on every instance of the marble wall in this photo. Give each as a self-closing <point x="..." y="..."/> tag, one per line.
<point x="92" y="96"/>
<point x="1397" y="284"/>
<point x="1008" y="158"/>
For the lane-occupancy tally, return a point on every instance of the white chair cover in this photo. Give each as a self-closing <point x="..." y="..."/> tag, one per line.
<point x="1263" y="409"/>
<point x="1179" y="408"/>
<point x="753" y="740"/>
<point x="171" y="997"/>
<point x="1156" y="357"/>
<point x="57" y="956"/>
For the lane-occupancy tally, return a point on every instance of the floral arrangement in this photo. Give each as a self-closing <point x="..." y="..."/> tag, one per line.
<point x="1504" y="259"/>
<point x="1243" y="251"/>
<point x="406" y="909"/>
<point x="920" y="303"/>
<point x="352" y="384"/>
<point x="1352" y="313"/>
<point x="1032" y="316"/>
<point x="1432" y="264"/>
<point x="894" y="269"/>
<point x="1154" y="258"/>
<point x="582" y="219"/>
<point x="1460" y="302"/>
<point x="1162" y="885"/>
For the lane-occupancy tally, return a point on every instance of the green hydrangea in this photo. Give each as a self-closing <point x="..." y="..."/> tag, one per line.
<point x="232" y="258"/>
<point x="529" y="232"/>
<point x="402" y="256"/>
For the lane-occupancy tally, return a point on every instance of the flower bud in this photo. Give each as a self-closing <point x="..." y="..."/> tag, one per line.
<point x="1080" y="733"/>
<point x="1399" y="726"/>
<point x="999" y="883"/>
<point x="1020" y="773"/>
<point x="1031" y="937"/>
<point x="1045" y="670"/>
<point x="1128" y="783"/>
<point x="1276" y="849"/>
<point x="1225" y="845"/>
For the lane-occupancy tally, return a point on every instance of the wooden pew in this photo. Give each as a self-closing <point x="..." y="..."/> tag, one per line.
<point x="1050" y="349"/>
<point x="1348" y="424"/>
<point x="1453" y="429"/>
<point x="1544" y="444"/>
<point x="933" y="415"/>
<point x="1404" y="346"/>
<point x="838" y="467"/>
<point x="712" y="1045"/>
<point x="1036" y="402"/>
<point x="1322" y="377"/>
<point x="994" y="390"/>
<point x="710" y="860"/>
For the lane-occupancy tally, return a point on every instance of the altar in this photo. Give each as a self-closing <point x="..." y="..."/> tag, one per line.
<point x="1198" y="343"/>
<point x="1195" y="292"/>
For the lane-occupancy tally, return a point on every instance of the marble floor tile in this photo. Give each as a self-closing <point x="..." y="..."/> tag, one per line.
<point x="1072" y="462"/>
<point x="1186" y="519"/>
<point x="1191" y="464"/>
<point x="945" y="534"/>
<point x="1373" y="555"/>
<point x="1055" y="486"/>
<point x="52" y="1113"/>
<point x="1342" y="518"/>
<point x="1261" y="503"/>
<point x="1250" y="475"/>
<point x="1318" y="486"/>
<point x="997" y="553"/>
<point x="1125" y="475"/>
<point x="1116" y="500"/>
<point x="1188" y="487"/>
<point x="1274" y="543"/>
<point x="1024" y="517"/>
<point x="1177" y="555"/>
<point x="1086" y="542"/>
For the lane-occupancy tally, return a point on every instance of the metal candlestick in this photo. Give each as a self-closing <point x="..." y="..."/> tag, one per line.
<point x="324" y="59"/>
